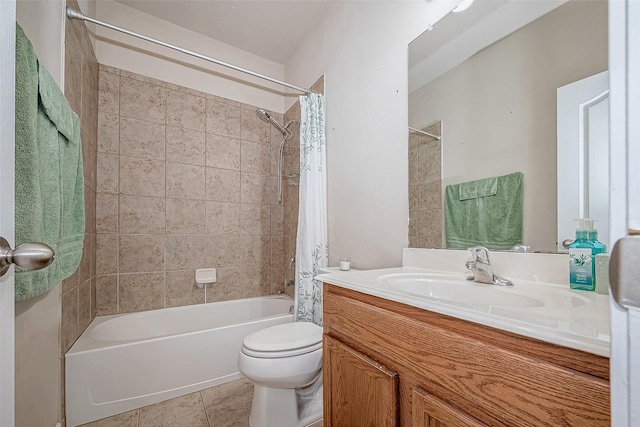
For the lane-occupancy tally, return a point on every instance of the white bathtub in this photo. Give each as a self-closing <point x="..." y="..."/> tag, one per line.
<point x="128" y="361"/>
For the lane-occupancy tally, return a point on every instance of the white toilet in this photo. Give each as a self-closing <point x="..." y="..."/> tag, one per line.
<point x="285" y="364"/>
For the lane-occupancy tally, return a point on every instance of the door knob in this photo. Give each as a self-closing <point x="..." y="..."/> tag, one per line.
<point x="27" y="256"/>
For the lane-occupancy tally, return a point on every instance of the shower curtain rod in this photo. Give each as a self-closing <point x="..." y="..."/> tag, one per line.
<point x="74" y="14"/>
<point x="436" y="137"/>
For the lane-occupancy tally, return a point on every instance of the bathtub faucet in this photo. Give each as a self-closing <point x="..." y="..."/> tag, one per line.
<point x="482" y="269"/>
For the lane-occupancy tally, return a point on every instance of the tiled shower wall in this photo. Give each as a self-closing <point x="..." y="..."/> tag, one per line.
<point x="186" y="180"/>
<point x="81" y="90"/>
<point x="425" y="189"/>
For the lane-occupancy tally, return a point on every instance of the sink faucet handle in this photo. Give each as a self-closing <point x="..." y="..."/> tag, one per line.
<point x="480" y="254"/>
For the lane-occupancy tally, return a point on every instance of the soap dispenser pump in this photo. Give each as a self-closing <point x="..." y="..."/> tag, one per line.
<point x="581" y="257"/>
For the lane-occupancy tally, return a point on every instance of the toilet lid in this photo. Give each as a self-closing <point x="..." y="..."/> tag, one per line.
<point x="286" y="337"/>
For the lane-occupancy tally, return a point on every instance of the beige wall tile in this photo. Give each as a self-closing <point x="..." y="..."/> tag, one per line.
<point x="140" y="253"/>
<point x="142" y="177"/>
<point x="255" y="219"/>
<point x="254" y="188"/>
<point x="255" y="250"/>
<point x="109" y="69"/>
<point x="142" y="215"/>
<point x="84" y="270"/>
<point x="185" y="181"/>
<point x="84" y="305"/>
<point x="223" y="185"/>
<point x="229" y="404"/>
<point x="226" y="287"/>
<point x="141" y="138"/>
<point x="69" y="323"/>
<point x="253" y="128"/>
<point x="255" y="281"/>
<point x="223" y="218"/>
<point x="223" y="119"/>
<point x="106" y="295"/>
<point x="139" y="292"/>
<point x="69" y="283"/>
<point x="143" y="78"/>
<point x="277" y="218"/>
<point x="277" y="249"/>
<point x="182" y="290"/>
<point x="185" y="145"/>
<point x="142" y="100"/>
<point x="186" y="110"/>
<point x="73" y="67"/>
<point x="223" y="152"/>
<point x="186" y="251"/>
<point x="90" y="241"/>
<point x="106" y="213"/>
<point x="107" y="254"/>
<point x="256" y="157"/>
<point x="89" y="160"/>
<point x="108" y="95"/>
<point x="186" y="216"/>
<point x="89" y="210"/>
<point x="154" y="415"/>
<point x="107" y="173"/>
<point x="224" y="251"/>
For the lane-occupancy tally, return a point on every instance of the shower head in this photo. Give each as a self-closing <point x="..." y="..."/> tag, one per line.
<point x="262" y="113"/>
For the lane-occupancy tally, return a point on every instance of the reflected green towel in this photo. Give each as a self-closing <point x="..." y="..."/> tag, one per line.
<point x="49" y="204"/>
<point x="485" y="212"/>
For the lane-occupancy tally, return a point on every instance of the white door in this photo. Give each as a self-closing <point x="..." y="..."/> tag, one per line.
<point x="624" y="68"/>
<point x="583" y="156"/>
<point x="7" y="117"/>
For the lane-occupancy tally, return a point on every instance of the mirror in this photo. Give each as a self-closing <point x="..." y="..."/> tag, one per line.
<point x="486" y="80"/>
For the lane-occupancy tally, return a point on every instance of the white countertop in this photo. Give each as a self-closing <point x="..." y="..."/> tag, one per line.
<point x="570" y="318"/>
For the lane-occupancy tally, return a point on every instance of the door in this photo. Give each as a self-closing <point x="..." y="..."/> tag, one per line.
<point x="358" y="391"/>
<point x="7" y="117"/>
<point x="583" y="156"/>
<point x="624" y="67"/>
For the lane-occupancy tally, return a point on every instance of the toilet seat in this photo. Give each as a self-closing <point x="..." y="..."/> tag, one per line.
<point x="286" y="340"/>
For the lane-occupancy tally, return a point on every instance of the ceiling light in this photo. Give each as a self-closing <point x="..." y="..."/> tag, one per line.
<point x="464" y="5"/>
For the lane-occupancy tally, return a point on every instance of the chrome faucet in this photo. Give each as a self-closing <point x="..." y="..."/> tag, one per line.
<point x="482" y="269"/>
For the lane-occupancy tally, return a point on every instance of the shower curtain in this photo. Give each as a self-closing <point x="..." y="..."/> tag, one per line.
<point x="312" y="250"/>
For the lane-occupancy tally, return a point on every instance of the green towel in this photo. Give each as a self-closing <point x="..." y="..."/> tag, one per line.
<point x="485" y="212"/>
<point x="49" y="205"/>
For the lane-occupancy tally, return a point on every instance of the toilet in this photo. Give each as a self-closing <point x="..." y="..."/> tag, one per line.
<point x="285" y="364"/>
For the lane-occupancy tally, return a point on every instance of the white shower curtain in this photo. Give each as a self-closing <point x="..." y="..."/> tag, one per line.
<point x="312" y="250"/>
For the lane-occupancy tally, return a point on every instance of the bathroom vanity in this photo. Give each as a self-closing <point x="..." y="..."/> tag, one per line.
<point x="396" y="357"/>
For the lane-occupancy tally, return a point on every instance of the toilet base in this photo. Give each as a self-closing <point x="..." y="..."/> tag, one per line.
<point x="281" y="407"/>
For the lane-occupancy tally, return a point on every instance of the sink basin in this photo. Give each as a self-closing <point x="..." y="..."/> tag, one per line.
<point x="452" y="289"/>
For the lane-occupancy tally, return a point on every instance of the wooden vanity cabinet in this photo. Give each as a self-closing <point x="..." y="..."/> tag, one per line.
<point x="391" y="364"/>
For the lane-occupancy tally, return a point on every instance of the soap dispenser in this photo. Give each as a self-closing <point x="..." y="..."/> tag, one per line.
<point x="581" y="258"/>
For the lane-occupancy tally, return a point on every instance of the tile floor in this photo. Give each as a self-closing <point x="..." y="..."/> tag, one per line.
<point x="226" y="405"/>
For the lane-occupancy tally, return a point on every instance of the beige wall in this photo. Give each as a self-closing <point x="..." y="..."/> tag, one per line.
<point x="361" y="49"/>
<point x="131" y="54"/>
<point x="499" y="107"/>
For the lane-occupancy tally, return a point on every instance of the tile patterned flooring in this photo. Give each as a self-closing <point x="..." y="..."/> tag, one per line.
<point x="226" y="405"/>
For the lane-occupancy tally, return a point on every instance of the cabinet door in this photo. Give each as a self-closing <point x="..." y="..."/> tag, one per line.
<point x="429" y="411"/>
<point x="358" y="391"/>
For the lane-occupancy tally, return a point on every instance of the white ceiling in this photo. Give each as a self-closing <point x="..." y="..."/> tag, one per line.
<point x="271" y="29"/>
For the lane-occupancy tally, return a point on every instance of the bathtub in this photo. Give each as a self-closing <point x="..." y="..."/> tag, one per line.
<point x="127" y="361"/>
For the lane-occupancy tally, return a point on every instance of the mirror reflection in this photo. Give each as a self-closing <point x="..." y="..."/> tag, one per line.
<point x="486" y="80"/>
